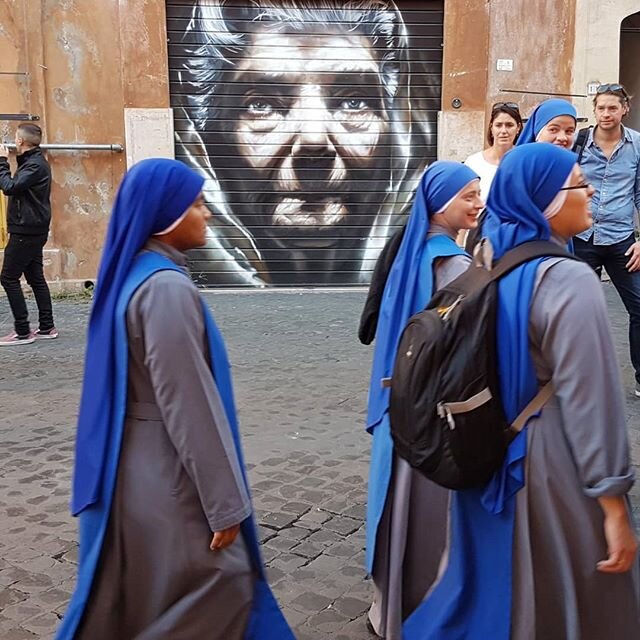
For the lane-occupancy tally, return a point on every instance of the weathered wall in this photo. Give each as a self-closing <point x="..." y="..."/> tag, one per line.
<point x="537" y="36"/>
<point x="86" y="61"/>
<point x="464" y="77"/>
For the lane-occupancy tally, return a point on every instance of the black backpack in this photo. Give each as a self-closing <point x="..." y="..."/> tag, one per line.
<point x="445" y="409"/>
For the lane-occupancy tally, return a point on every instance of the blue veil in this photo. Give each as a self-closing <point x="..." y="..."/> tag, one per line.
<point x="407" y="291"/>
<point x="542" y="115"/>
<point x="152" y="195"/>
<point x="472" y="600"/>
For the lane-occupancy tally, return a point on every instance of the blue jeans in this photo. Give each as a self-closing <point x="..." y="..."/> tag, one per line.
<point x="612" y="258"/>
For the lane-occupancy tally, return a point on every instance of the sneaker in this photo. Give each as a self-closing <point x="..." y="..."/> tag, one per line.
<point x="14" y="339"/>
<point x="52" y="334"/>
<point x="637" y="389"/>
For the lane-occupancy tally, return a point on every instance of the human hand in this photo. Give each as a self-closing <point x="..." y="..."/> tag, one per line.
<point x="223" y="539"/>
<point x="622" y="544"/>
<point x="634" y="260"/>
<point x="4" y="152"/>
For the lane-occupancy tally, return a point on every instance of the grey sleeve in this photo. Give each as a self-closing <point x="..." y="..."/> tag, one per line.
<point x="569" y="316"/>
<point x="176" y="354"/>
<point x="448" y="269"/>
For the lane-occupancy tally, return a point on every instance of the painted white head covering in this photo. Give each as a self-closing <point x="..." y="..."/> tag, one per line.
<point x="448" y="202"/>
<point x="173" y="225"/>
<point x="556" y="204"/>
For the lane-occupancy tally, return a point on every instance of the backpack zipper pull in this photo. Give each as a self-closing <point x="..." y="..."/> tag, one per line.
<point x="445" y="412"/>
<point x="446" y="311"/>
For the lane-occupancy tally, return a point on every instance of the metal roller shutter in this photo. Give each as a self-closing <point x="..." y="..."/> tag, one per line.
<point x="312" y="121"/>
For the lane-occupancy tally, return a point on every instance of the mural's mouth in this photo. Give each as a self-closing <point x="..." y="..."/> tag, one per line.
<point x="296" y="212"/>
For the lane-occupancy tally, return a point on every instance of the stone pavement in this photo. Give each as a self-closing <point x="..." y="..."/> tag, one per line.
<point x="301" y="379"/>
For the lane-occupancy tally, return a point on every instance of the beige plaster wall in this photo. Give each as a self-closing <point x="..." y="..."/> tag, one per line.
<point x="597" y="45"/>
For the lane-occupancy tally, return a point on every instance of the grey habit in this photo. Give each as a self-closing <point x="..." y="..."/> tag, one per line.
<point x="577" y="451"/>
<point x="413" y="529"/>
<point x="178" y="481"/>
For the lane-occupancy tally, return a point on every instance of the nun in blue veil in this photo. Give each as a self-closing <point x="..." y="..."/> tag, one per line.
<point x="168" y="545"/>
<point x="403" y="507"/>
<point x="547" y="549"/>
<point x="553" y="121"/>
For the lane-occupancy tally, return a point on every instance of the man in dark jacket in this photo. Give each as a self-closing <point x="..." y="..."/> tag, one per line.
<point x="28" y="219"/>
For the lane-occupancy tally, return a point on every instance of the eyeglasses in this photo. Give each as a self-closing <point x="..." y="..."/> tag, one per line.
<point x="605" y="88"/>
<point x="586" y="185"/>
<point x="509" y="105"/>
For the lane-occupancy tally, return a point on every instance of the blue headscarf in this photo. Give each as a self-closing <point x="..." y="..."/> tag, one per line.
<point x="407" y="291"/>
<point x="441" y="182"/>
<point x="152" y="195"/>
<point x="530" y="179"/>
<point x="474" y="595"/>
<point x="544" y="113"/>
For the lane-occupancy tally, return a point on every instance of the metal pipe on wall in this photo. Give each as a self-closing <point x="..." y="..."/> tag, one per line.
<point x="116" y="148"/>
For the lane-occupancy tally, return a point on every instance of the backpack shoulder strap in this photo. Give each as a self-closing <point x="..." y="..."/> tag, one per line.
<point x="581" y="142"/>
<point x="526" y="252"/>
<point x="535" y="406"/>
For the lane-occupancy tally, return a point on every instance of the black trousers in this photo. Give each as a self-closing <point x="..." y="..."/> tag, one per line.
<point x="23" y="255"/>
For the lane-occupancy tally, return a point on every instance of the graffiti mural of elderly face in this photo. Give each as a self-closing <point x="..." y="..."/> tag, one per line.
<point x="300" y="119"/>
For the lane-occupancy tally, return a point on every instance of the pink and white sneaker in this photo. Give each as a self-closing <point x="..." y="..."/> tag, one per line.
<point x="52" y="334"/>
<point x="13" y="340"/>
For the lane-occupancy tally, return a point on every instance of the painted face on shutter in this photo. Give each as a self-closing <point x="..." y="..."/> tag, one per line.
<point x="311" y="126"/>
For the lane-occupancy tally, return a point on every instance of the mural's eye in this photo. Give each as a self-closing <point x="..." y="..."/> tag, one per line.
<point x="354" y="104"/>
<point x="260" y="107"/>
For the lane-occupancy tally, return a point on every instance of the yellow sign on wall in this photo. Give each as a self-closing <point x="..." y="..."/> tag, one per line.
<point x="4" y="236"/>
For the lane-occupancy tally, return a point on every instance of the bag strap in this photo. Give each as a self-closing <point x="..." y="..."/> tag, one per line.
<point x="525" y="252"/>
<point x="540" y="399"/>
<point x="581" y="142"/>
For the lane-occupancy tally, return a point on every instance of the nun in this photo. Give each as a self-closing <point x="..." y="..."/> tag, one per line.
<point x="553" y="121"/>
<point x="547" y="549"/>
<point x="168" y="545"/>
<point x="404" y="509"/>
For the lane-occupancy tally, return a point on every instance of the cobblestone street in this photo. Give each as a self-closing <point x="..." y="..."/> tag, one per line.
<point x="301" y="380"/>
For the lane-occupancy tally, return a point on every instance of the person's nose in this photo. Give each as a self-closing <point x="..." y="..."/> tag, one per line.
<point x="313" y="150"/>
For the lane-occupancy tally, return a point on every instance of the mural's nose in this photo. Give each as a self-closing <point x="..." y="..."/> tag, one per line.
<point x="313" y="151"/>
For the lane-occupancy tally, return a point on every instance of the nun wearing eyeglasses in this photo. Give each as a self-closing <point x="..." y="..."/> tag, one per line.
<point x="168" y="545"/>
<point x="406" y="513"/>
<point x="547" y="549"/>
